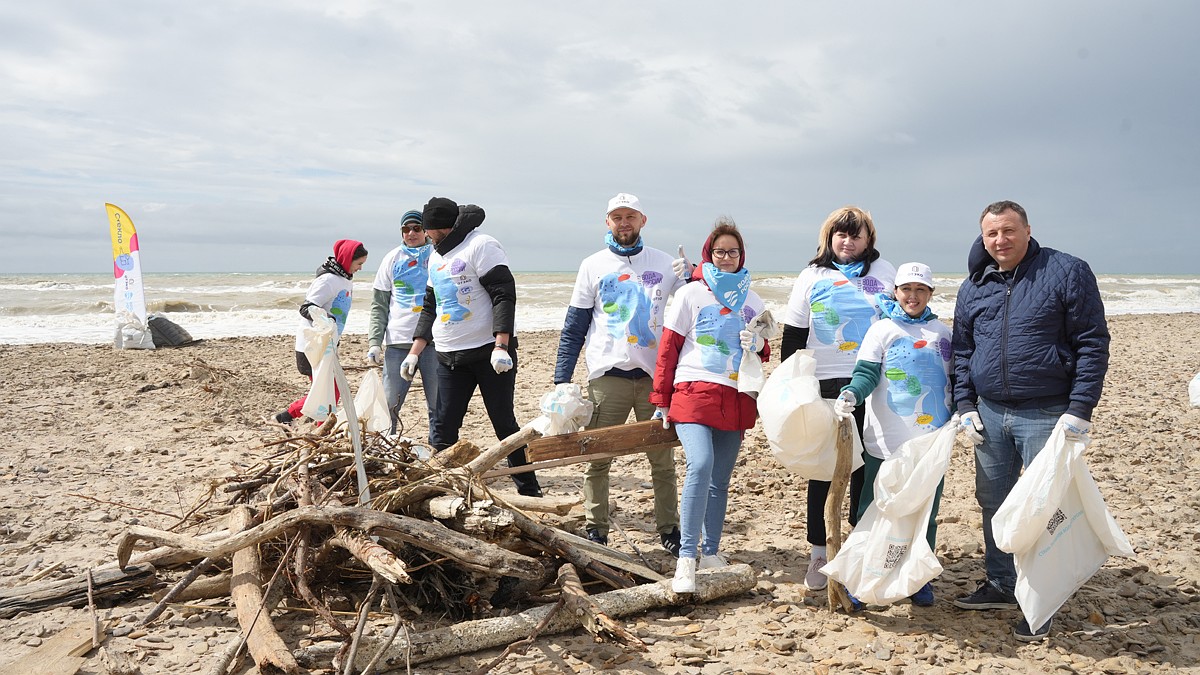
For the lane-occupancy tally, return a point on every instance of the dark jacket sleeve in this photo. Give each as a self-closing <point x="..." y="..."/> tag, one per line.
<point x="963" y="344"/>
<point x="502" y="289"/>
<point x="669" y="347"/>
<point x="570" y="342"/>
<point x="794" y="339"/>
<point x="424" y="328"/>
<point x="1087" y="338"/>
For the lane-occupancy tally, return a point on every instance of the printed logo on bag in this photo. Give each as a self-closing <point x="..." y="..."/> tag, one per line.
<point x="1055" y="520"/>
<point x="894" y="554"/>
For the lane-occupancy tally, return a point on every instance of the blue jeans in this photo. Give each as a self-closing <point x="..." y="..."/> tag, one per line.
<point x="1012" y="437"/>
<point x="395" y="388"/>
<point x="710" y="454"/>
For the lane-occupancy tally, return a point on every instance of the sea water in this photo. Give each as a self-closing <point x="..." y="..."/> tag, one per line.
<point x="38" y="308"/>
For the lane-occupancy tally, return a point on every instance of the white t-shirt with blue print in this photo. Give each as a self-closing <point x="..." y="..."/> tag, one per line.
<point x="712" y="351"/>
<point x="838" y="312"/>
<point x="913" y="395"/>
<point x="405" y="275"/>
<point x="464" y="308"/>
<point x="332" y="294"/>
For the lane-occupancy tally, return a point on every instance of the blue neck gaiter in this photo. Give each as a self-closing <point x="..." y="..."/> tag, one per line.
<point x="852" y="270"/>
<point x="622" y="250"/>
<point x="730" y="288"/>
<point x="892" y="309"/>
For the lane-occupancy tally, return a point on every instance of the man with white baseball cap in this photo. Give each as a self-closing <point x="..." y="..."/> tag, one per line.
<point x="617" y="310"/>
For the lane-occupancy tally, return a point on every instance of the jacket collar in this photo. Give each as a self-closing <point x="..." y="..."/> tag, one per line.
<point x="980" y="263"/>
<point x="469" y="218"/>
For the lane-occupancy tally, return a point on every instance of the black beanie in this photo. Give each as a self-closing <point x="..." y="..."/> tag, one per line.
<point x="439" y="214"/>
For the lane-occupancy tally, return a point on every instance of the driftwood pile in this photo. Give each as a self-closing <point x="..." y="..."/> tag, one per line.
<point x="425" y="542"/>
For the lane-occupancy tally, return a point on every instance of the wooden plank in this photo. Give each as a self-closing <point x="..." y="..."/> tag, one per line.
<point x="625" y="438"/>
<point x="59" y="655"/>
<point x="563" y="461"/>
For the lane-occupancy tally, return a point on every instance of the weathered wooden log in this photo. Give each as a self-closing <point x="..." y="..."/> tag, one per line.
<point x="492" y="456"/>
<point x="833" y="508"/>
<point x="594" y="620"/>
<point x="380" y="560"/>
<point x="466" y="550"/>
<point x="612" y="557"/>
<point x="559" y="506"/>
<point x="73" y="592"/>
<point x="482" y="518"/>
<point x="553" y="540"/>
<point x="622" y="438"/>
<point x="265" y="646"/>
<point x="472" y="636"/>
<point x="204" y="588"/>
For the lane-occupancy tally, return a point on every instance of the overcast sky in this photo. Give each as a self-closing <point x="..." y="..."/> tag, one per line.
<point x="248" y="136"/>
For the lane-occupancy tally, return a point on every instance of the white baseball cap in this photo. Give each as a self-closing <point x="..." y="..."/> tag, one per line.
<point x="914" y="271"/>
<point x="624" y="200"/>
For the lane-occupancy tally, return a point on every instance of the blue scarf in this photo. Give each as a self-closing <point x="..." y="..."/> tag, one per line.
<point x="621" y="250"/>
<point x="892" y="309"/>
<point x="852" y="270"/>
<point x="730" y="288"/>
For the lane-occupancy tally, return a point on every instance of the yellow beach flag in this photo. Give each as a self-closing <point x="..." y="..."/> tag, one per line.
<point x="129" y="300"/>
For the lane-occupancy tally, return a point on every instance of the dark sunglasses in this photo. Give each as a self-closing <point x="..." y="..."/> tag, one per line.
<point x="405" y="229"/>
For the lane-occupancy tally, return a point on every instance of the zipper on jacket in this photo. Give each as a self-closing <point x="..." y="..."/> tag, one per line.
<point x="1008" y="283"/>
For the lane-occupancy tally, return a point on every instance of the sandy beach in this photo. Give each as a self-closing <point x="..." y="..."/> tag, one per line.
<point x="101" y="439"/>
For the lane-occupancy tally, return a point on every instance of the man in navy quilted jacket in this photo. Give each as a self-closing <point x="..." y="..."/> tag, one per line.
<point x="1030" y="353"/>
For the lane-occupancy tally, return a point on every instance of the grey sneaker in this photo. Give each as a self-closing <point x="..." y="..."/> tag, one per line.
<point x="987" y="596"/>
<point x="813" y="577"/>
<point x="1021" y="631"/>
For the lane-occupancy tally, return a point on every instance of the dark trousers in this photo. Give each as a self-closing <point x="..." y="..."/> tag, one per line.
<point x="459" y="373"/>
<point x="818" y="490"/>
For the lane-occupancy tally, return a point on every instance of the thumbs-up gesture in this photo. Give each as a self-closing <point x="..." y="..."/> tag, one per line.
<point x="681" y="266"/>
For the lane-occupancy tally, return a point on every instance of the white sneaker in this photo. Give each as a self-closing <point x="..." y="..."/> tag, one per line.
<point x="708" y="562"/>
<point x="685" y="576"/>
<point x="813" y="578"/>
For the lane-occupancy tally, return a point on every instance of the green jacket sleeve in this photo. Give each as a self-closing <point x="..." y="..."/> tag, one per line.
<point x="864" y="379"/>
<point x="380" y="304"/>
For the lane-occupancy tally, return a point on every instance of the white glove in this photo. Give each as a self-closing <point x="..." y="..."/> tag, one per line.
<point x="314" y="312"/>
<point x="681" y="267"/>
<point x="660" y="413"/>
<point x="501" y="361"/>
<point x="972" y="426"/>
<point x="1076" y="428"/>
<point x="844" y="406"/>
<point x="408" y="368"/>
<point x="375" y="355"/>
<point x="751" y="341"/>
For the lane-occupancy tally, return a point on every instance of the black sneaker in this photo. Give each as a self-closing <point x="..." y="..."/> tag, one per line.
<point x="670" y="541"/>
<point x="535" y="491"/>
<point x="594" y="535"/>
<point x="284" y="417"/>
<point x="1021" y="631"/>
<point x="987" y="596"/>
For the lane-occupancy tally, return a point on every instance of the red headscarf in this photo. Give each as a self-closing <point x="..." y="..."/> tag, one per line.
<point x="343" y="252"/>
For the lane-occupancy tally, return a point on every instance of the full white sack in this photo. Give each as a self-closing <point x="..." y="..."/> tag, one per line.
<point x="320" y="341"/>
<point x="564" y="410"/>
<point x="800" y="425"/>
<point x="886" y="557"/>
<point x="1075" y="531"/>
<point x="370" y="403"/>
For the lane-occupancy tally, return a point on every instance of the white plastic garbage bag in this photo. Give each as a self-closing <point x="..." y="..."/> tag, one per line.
<point x="320" y="340"/>
<point x="1194" y="391"/>
<point x="800" y="425"/>
<point x="370" y="403"/>
<point x="750" y="371"/>
<point x="886" y="558"/>
<point x="564" y="410"/>
<point x="1057" y="527"/>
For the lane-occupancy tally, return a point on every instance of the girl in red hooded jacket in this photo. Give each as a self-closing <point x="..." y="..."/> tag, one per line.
<point x="331" y="293"/>
<point x="695" y="387"/>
